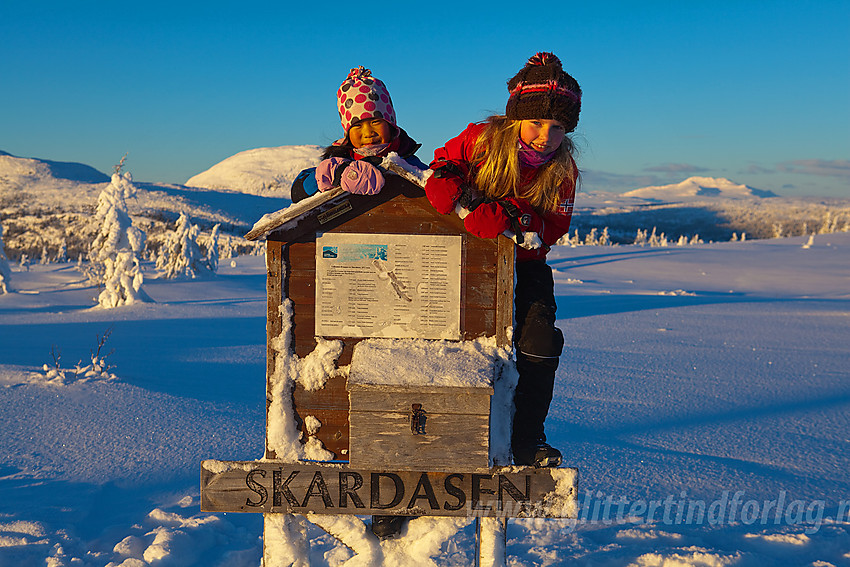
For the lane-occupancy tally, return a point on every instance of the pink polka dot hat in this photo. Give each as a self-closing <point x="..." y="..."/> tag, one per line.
<point x="361" y="96"/>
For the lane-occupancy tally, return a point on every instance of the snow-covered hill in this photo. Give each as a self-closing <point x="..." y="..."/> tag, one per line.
<point x="262" y="171"/>
<point x="43" y="203"/>
<point x="699" y="188"/>
<point x="714" y="209"/>
<point x="22" y="171"/>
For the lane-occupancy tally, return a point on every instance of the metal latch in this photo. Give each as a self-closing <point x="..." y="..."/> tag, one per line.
<point x="417" y="420"/>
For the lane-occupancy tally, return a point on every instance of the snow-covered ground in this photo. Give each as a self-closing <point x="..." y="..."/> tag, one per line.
<point x="703" y="395"/>
<point x="703" y="392"/>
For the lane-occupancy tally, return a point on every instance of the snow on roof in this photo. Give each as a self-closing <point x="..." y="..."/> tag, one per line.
<point x="291" y="213"/>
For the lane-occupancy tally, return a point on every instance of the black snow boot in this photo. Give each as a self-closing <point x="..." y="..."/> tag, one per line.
<point x="538" y="455"/>
<point x="387" y="526"/>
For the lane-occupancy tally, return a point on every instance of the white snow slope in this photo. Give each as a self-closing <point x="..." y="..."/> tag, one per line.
<point x="703" y="395"/>
<point x="700" y="188"/>
<point x="261" y="171"/>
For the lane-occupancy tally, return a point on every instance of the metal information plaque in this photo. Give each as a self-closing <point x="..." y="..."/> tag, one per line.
<point x="388" y="285"/>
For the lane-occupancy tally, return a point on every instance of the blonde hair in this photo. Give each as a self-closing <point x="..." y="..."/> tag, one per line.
<point x="497" y="164"/>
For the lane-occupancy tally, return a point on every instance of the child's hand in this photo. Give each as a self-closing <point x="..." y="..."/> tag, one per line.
<point x="488" y="220"/>
<point x="357" y="177"/>
<point x="325" y="173"/>
<point x="443" y="191"/>
<point x="362" y="178"/>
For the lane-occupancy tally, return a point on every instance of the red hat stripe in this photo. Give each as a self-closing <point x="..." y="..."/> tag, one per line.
<point x="553" y="86"/>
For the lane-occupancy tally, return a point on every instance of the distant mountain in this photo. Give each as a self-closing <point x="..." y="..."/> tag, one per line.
<point x="13" y="168"/>
<point x="700" y="188"/>
<point x="263" y="171"/>
<point x="44" y="203"/>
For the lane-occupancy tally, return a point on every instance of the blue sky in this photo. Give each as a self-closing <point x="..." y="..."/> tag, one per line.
<point x="758" y="92"/>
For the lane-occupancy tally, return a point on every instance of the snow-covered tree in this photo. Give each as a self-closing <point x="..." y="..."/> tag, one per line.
<point x="653" y="238"/>
<point x="114" y="253"/>
<point x="62" y="252"/>
<point x="181" y="254"/>
<point x="828" y="225"/>
<point x="212" y="249"/>
<point x="5" y="270"/>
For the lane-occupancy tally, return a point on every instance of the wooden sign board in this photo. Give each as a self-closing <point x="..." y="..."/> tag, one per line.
<point x="335" y="488"/>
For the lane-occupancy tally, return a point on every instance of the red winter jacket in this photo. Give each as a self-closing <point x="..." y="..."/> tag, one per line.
<point x="444" y="191"/>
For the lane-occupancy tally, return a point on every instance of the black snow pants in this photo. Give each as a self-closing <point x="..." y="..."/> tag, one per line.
<point x="538" y="345"/>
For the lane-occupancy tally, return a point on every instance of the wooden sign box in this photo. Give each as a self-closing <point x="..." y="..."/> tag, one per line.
<point x="400" y="208"/>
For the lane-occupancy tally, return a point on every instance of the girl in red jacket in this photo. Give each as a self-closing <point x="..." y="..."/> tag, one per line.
<point x="517" y="173"/>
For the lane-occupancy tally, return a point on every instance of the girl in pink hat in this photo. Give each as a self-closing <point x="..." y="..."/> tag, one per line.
<point x="369" y="122"/>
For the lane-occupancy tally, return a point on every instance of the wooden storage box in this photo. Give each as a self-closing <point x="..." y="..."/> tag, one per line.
<point x="426" y="410"/>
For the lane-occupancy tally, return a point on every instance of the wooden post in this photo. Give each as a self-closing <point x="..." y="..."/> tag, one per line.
<point x="274" y="324"/>
<point x="285" y="541"/>
<point x="492" y="542"/>
<point x="504" y="290"/>
<point x="290" y="547"/>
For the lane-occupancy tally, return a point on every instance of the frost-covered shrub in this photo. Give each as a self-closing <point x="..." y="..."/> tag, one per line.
<point x="5" y="270"/>
<point x="114" y="253"/>
<point x="99" y="369"/>
<point x="181" y="255"/>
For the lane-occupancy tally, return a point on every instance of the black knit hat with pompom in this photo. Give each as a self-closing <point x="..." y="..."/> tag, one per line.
<point x="543" y="90"/>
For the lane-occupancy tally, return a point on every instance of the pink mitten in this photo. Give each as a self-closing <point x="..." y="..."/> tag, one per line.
<point x="362" y="178"/>
<point x="325" y="172"/>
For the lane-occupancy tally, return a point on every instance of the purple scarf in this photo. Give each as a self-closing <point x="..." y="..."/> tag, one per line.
<point x="373" y="150"/>
<point x="531" y="157"/>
